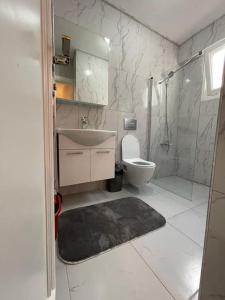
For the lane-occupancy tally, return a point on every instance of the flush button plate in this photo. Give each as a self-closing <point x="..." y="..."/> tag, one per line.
<point x="130" y="124"/>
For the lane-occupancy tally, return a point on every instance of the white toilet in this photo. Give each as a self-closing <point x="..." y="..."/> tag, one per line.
<point x="138" y="171"/>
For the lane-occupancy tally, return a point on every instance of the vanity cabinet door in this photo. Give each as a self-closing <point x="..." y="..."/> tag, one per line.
<point x="74" y="166"/>
<point x="102" y="164"/>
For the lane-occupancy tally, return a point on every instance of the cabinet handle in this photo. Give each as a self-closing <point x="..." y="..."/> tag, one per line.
<point x="103" y="151"/>
<point x="74" y="153"/>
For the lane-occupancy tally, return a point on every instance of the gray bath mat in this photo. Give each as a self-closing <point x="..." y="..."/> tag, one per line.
<point x="84" y="232"/>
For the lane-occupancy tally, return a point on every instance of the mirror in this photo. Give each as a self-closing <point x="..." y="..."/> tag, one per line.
<point x="81" y="73"/>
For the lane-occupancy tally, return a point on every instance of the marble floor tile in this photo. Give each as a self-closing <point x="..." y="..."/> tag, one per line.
<point x="127" y="272"/>
<point x="78" y="200"/>
<point x="197" y="193"/>
<point x="62" y="285"/>
<point x="194" y="296"/>
<point x="168" y="204"/>
<point x="117" y="195"/>
<point x="200" y="193"/>
<point x="202" y="209"/>
<point x="149" y="189"/>
<point x="118" y="274"/>
<point x="90" y="198"/>
<point x="181" y="187"/>
<point x="174" y="258"/>
<point x="192" y="224"/>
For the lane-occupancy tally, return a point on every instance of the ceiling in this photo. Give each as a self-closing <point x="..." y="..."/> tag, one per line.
<point x="177" y="20"/>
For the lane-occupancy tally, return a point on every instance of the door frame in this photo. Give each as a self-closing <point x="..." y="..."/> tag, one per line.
<point x="48" y="131"/>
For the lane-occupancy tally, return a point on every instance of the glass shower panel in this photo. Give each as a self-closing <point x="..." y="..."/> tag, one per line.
<point x="176" y="161"/>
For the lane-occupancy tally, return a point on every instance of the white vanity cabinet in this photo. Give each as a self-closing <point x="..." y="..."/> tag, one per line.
<point x="74" y="166"/>
<point x="102" y="164"/>
<point x="80" y="164"/>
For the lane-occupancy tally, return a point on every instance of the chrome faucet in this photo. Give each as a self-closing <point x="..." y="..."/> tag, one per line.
<point x="84" y="121"/>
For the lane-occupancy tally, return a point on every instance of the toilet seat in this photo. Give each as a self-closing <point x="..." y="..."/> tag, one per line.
<point x="140" y="163"/>
<point x="130" y="147"/>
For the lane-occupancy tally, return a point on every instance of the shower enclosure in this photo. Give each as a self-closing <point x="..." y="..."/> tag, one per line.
<point x="183" y="128"/>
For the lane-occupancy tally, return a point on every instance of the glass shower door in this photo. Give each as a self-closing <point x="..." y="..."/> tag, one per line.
<point x="176" y="160"/>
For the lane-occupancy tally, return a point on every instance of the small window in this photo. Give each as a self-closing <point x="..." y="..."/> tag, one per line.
<point x="214" y="64"/>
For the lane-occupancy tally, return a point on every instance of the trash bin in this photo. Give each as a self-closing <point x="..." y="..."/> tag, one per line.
<point x="115" y="184"/>
<point x="58" y="208"/>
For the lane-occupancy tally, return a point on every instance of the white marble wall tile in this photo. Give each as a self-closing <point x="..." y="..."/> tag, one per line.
<point x="133" y="92"/>
<point x="207" y="131"/>
<point x="110" y="120"/>
<point x="190" y="99"/>
<point x="185" y="51"/>
<point x="135" y="54"/>
<point x="205" y="149"/>
<point x="66" y="9"/>
<point x="66" y="116"/>
<point x="110" y="29"/>
<point x="209" y="107"/>
<point x="125" y="92"/>
<point x="164" y="157"/>
<point x="142" y="131"/>
<point x="135" y="45"/>
<point x="91" y="78"/>
<point x="114" y="92"/>
<point x="203" y="166"/>
<point x="185" y="168"/>
<point x="165" y="167"/>
<point x="203" y="39"/>
<point x="94" y="114"/>
<point x="219" y="27"/>
<point x="191" y="89"/>
<point x="196" y="127"/>
<point x="89" y="14"/>
<point x="186" y="146"/>
<point x="121" y="132"/>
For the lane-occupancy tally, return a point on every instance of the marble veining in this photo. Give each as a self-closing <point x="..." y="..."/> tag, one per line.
<point x="194" y="118"/>
<point x="136" y="53"/>
<point x="91" y="78"/>
<point x="207" y="119"/>
<point x="205" y="38"/>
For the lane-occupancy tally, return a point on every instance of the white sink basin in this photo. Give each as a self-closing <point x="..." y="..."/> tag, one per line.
<point x="87" y="137"/>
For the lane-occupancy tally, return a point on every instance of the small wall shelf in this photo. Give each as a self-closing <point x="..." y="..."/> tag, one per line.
<point x="76" y="102"/>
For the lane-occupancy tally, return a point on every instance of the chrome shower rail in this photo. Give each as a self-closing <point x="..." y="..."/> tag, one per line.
<point x="189" y="60"/>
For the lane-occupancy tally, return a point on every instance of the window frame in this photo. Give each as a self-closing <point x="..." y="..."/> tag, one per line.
<point x="209" y="91"/>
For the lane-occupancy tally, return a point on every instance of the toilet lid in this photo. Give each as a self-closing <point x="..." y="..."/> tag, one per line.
<point x="130" y="147"/>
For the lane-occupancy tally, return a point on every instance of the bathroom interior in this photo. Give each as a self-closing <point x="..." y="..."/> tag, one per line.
<point x="112" y="158"/>
<point x="136" y="98"/>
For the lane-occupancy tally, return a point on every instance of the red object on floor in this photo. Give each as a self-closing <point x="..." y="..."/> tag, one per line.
<point x="58" y="208"/>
